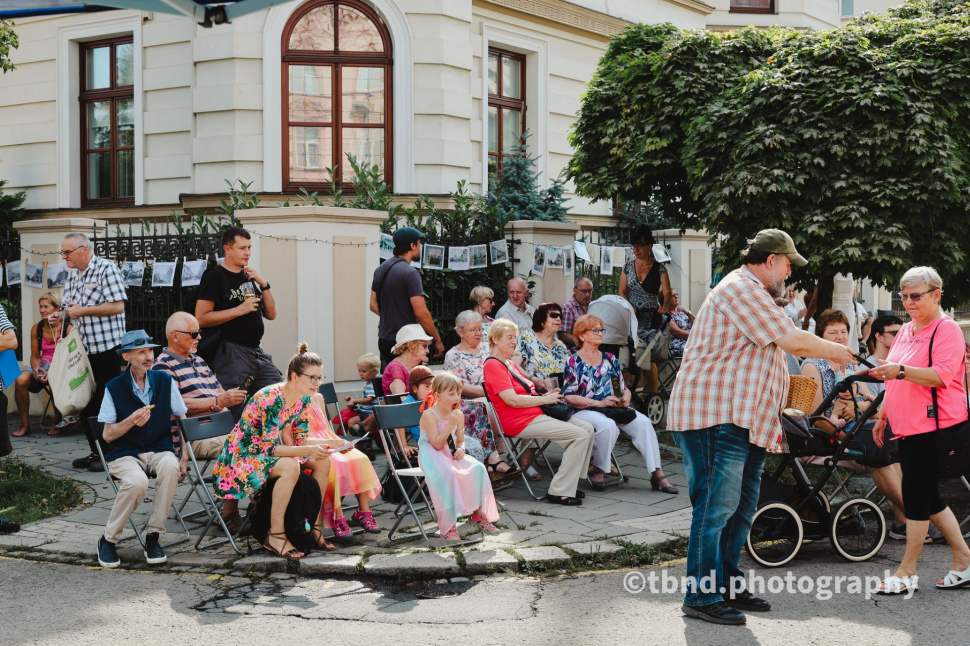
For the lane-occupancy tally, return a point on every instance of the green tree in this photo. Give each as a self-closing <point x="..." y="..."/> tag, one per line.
<point x="11" y="208"/>
<point x="515" y="190"/>
<point x="855" y="140"/>
<point x="8" y="41"/>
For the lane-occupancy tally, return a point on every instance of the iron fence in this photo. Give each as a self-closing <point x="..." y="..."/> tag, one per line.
<point x="603" y="284"/>
<point x="10" y="296"/>
<point x="148" y="307"/>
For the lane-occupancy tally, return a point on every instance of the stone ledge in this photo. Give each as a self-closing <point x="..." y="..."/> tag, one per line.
<point x="481" y="562"/>
<point x="330" y="564"/>
<point x="548" y="554"/>
<point x="424" y="564"/>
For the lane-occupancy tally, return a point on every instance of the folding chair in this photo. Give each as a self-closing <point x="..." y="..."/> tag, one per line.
<point x="200" y="478"/>
<point x="515" y="448"/>
<point x="378" y="383"/>
<point x="388" y="419"/>
<point x="329" y="393"/>
<point x="97" y="428"/>
<point x="47" y="406"/>
<point x="967" y="519"/>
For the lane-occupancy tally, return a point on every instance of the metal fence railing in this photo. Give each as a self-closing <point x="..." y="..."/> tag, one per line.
<point x="602" y="283"/>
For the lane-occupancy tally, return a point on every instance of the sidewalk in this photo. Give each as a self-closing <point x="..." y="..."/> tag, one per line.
<point x="532" y="531"/>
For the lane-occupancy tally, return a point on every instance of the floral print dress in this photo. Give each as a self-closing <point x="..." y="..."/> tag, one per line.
<point x="592" y="382"/>
<point x="683" y="322"/>
<point x="244" y="464"/>
<point x="644" y="296"/>
<point x="470" y="369"/>
<point x="539" y="360"/>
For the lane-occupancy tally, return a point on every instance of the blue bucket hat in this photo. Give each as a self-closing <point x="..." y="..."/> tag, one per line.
<point x="136" y="339"/>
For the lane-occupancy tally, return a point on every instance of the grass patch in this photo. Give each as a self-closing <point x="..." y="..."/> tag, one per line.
<point x="29" y="493"/>
<point x="630" y="556"/>
<point x="536" y="512"/>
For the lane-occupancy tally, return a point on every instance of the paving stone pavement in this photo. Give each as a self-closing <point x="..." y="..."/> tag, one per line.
<point x="631" y="511"/>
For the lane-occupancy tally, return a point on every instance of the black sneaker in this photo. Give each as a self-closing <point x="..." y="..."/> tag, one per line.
<point x="8" y="526"/>
<point x="85" y="462"/>
<point x="744" y="600"/>
<point x="898" y="532"/>
<point x="107" y="553"/>
<point x="96" y="465"/>
<point x="716" y="613"/>
<point x="153" y="551"/>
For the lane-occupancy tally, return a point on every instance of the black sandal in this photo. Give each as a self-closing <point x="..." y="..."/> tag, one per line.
<point x="564" y="500"/>
<point x="494" y="474"/>
<point x="289" y="554"/>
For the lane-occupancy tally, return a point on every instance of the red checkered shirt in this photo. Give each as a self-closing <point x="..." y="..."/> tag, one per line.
<point x="571" y="311"/>
<point x="732" y="372"/>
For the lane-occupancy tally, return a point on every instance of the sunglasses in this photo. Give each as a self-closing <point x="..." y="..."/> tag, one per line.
<point x="194" y="335"/>
<point x="915" y="296"/>
<point x="554" y="315"/>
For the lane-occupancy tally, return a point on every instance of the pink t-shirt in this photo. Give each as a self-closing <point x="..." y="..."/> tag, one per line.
<point x="906" y="402"/>
<point x="498" y="379"/>
<point x="394" y="371"/>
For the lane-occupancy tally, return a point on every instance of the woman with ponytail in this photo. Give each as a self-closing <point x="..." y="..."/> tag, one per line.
<point x="459" y="484"/>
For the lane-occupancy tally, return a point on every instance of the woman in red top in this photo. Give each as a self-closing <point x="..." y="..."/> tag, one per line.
<point x="519" y="413"/>
<point x="909" y="379"/>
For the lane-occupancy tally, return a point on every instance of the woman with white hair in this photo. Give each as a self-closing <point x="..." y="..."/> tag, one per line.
<point x="411" y="348"/>
<point x="926" y="355"/>
<point x="467" y="361"/>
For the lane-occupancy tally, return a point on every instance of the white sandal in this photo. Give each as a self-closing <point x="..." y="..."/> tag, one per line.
<point x="898" y="585"/>
<point x="954" y="579"/>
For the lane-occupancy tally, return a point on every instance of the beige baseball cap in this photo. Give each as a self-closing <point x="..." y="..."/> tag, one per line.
<point x="778" y="242"/>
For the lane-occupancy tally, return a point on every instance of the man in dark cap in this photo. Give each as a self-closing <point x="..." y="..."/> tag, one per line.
<point x="397" y="295"/>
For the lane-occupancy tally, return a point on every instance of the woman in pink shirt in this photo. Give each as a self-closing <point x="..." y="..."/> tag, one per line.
<point x="909" y="404"/>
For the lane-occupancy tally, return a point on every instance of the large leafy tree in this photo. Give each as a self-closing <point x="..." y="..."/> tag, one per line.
<point x="8" y="41"/>
<point x="855" y="140"/>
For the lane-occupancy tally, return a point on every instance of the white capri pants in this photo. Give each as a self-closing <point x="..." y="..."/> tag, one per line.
<point x="607" y="433"/>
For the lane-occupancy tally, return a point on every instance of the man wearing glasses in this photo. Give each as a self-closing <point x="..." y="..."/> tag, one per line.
<point x="575" y="307"/>
<point x="95" y="302"/>
<point x="201" y="392"/>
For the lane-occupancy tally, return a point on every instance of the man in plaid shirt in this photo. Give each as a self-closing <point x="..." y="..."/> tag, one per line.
<point x="725" y="409"/>
<point x="94" y="300"/>
<point x="574" y="308"/>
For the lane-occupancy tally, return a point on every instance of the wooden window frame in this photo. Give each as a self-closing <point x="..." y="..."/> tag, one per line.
<point x="769" y="10"/>
<point x="499" y="101"/>
<point x="337" y="61"/>
<point x="112" y="93"/>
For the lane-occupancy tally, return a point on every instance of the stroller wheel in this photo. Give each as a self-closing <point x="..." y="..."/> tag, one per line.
<point x="654" y="408"/>
<point x="858" y="529"/>
<point x="776" y="534"/>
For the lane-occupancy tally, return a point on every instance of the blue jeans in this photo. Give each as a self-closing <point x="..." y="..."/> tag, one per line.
<point x="723" y="478"/>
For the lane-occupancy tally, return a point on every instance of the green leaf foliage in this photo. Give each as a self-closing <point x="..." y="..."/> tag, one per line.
<point x="855" y="140"/>
<point x="8" y="41"/>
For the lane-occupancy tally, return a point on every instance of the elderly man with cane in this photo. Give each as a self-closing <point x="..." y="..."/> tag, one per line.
<point x="725" y="410"/>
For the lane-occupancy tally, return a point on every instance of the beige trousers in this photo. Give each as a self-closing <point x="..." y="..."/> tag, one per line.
<point x="210" y="448"/>
<point x="575" y="437"/>
<point x="134" y="471"/>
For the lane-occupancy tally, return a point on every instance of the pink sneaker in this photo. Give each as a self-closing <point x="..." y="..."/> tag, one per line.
<point x="483" y="522"/>
<point x="366" y="520"/>
<point x="341" y="529"/>
<point x="452" y="534"/>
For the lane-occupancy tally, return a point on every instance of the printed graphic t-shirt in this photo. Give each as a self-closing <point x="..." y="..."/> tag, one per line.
<point x="244" y="330"/>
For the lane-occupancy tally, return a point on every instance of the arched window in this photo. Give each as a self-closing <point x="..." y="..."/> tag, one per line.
<point x="336" y="92"/>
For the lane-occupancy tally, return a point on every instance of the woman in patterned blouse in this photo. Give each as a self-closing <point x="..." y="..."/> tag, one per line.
<point x="590" y="379"/>
<point x="540" y="353"/>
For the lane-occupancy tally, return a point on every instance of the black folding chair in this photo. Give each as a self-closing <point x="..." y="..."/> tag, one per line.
<point x="329" y="393"/>
<point x="378" y="383"/>
<point x="97" y="428"/>
<point x="200" y="478"/>
<point x="390" y="418"/>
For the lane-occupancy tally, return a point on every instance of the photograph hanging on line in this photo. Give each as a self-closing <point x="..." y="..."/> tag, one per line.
<point x="500" y="251"/>
<point x="606" y="261"/>
<point x="34" y="276"/>
<point x="593" y="253"/>
<point x="478" y="257"/>
<point x="567" y="261"/>
<point x="554" y="257"/>
<point x="458" y="258"/>
<point x="387" y="246"/>
<point x="434" y="256"/>
<point x="192" y="271"/>
<point x="660" y="253"/>
<point x="163" y="274"/>
<point x="57" y="275"/>
<point x="538" y="260"/>
<point x="580" y="248"/>
<point x="619" y="256"/>
<point x="133" y="273"/>
<point x="13" y="272"/>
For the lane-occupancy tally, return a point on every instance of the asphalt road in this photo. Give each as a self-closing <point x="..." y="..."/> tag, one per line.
<point x="66" y="604"/>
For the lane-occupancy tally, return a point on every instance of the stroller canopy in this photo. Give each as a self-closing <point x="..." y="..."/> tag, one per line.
<point x="619" y="319"/>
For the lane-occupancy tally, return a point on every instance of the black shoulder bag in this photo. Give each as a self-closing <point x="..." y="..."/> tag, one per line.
<point x="561" y="411"/>
<point x="952" y="442"/>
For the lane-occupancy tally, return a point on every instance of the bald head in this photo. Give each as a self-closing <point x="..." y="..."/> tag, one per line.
<point x="518" y="291"/>
<point x="178" y="331"/>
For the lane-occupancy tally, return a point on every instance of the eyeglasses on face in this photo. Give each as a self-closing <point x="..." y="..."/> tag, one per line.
<point x="891" y="332"/>
<point x="65" y="254"/>
<point x="316" y="381"/>
<point x="585" y="291"/>
<point x="194" y="335"/>
<point x="598" y="331"/>
<point x="915" y="296"/>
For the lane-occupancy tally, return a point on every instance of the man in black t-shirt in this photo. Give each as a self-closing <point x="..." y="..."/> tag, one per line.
<point x="397" y="295"/>
<point x="235" y="298"/>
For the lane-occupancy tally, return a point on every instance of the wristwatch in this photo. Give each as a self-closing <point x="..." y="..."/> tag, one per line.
<point x="263" y="289"/>
<point x="902" y="372"/>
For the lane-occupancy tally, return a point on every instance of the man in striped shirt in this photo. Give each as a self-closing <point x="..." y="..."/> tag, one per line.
<point x="725" y="410"/>
<point x="199" y="388"/>
<point x="8" y="341"/>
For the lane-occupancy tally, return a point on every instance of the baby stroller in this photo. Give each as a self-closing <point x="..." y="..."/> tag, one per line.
<point x="620" y="339"/>
<point x="792" y="514"/>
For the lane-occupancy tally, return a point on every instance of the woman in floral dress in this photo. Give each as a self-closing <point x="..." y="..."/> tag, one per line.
<point x="257" y="451"/>
<point x="467" y="360"/>
<point x="540" y="353"/>
<point x="681" y="322"/>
